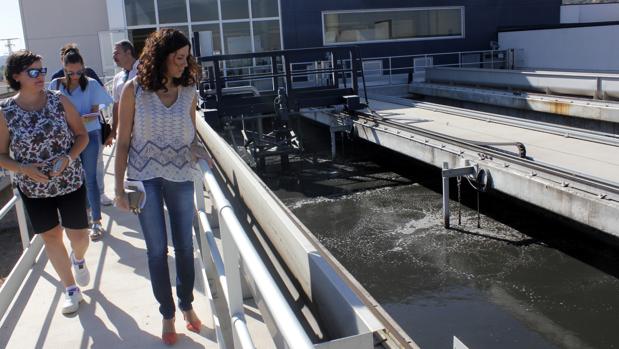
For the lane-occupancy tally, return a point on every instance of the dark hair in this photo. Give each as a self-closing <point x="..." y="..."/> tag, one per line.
<point x="66" y="47"/>
<point x="126" y="45"/>
<point x="72" y="55"/>
<point x="151" y="70"/>
<point x="16" y="63"/>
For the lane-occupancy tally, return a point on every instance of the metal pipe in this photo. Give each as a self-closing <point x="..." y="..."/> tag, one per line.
<point x="18" y="273"/>
<point x="242" y="332"/>
<point x="8" y="206"/>
<point x="231" y="256"/>
<point x="572" y="132"/>
<point x="212" y="247"/>
<point x="446" y="197"/>
<point x="286" y="322"/>
<point x="355" y="311"/>
<point x="537" y="165"/>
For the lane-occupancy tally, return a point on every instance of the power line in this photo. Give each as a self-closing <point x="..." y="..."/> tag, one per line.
<point x="9" y="43"/>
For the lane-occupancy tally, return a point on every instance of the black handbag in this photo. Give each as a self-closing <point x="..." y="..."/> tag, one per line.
<point x="106" y="129"/>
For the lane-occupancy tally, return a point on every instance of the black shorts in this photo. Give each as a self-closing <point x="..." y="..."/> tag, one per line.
<point x="43" y="212"/>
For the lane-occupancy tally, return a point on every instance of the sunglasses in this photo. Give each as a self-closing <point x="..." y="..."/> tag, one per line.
<point x="77" y="73"/>
<point x="35" y="72"/>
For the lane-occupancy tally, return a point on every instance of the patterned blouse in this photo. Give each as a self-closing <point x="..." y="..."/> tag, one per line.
<point x="41" y="137"/>
<point x="161" y="137"/>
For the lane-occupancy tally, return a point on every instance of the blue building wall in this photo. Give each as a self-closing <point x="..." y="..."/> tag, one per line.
<point x="302" y="22"/>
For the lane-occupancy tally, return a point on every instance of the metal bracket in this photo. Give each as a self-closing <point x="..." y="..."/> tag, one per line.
<point x="466" y="170"/>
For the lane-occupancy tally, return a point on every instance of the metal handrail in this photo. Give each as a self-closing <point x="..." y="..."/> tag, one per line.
<point x="237" y="248"/>
<point x="24" y="264"/>
<point x="305" y="69"/>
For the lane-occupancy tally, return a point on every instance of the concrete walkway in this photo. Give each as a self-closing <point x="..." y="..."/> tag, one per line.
<point x="593" y="159"/>
<point x="119" y="309"/>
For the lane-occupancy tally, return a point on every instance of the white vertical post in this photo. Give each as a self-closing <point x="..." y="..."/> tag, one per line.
<point x="21" y="221"/>
<point x="446" y="197"/>
<point x="333" y="150"/>
<point x="390" y="71"/>
<point x="233" y="275"/>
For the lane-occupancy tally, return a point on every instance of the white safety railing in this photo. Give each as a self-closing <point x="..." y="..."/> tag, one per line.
<point x="378" y="71"/>
<point x="225" y="266"/>
<point x="31" y="249"/>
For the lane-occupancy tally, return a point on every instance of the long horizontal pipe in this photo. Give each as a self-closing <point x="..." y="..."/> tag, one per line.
<point x="571" y="83"/>
<point x="571" y="132"/>
<point x="285" y="320"/>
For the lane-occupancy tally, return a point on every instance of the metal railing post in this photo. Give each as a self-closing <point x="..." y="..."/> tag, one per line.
<point x="446" y="197"/>
<point x="390" y="71"/>
<point x="233" y="274"/>
<point x="21" y="221"/>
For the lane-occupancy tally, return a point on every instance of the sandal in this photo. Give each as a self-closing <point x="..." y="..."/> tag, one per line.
<point x="96" y="232"/>
<point x="193" y="326"/>
<point x="169" y="338"/>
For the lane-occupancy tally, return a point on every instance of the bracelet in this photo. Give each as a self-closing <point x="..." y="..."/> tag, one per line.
<point x="70" y="159"/>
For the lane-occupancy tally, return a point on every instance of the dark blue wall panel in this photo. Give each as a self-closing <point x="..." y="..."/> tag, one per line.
<point x="301" y="22"/>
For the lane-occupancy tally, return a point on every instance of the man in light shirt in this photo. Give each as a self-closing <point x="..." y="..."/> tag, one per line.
<point x="126" y="58"/>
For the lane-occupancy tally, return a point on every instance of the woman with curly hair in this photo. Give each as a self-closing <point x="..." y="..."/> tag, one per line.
<point x="41" y="138"/>
<point x="156" y="129"/>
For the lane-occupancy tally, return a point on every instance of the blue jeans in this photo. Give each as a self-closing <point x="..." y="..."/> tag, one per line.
<point x="178" y="198"/>
<point x="90" y="157"/>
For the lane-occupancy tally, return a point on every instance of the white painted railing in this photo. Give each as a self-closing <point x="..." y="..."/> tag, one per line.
<point x="238" y="250"/>
<point x="28" y="257"/>
<point x="378" y="71"/>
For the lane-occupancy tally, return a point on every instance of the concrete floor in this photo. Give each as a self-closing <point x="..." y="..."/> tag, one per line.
<point x="119" y="309"/>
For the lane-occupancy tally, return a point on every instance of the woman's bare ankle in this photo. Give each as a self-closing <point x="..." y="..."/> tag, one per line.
<point x="168" y="325"/>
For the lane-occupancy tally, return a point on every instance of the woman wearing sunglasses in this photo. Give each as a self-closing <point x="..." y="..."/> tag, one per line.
<point x="41" y="137"/>
<point x="86" y="94"/>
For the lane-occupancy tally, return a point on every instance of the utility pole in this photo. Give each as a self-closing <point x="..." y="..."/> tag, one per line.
<point x="9" y="43"/>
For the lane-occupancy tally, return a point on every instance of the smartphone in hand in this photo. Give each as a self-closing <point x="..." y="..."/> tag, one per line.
<point x="58" y="165"/>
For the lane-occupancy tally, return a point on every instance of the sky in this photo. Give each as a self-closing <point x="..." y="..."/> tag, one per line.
<point x="10" y="25"/>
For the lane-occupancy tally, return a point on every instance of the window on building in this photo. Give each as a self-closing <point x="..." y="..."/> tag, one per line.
<point x="204" y="10"/>
<point x="234" y="9"/>
<point x="138" y="37"/>
<point x="264" y="8"/>
<point x="392" y="24"/>
<point x="237" y="38"/>
<point x="266" y="36"/>
<point x="140" y="12"/>
<point x="209" y="39"/>
<point x="172" y="11"/>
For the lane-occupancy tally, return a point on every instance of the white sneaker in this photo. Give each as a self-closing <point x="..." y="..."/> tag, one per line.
<point x="80" y="270"/>
<point x="72" y="301"/>
<point x="106" y="200"/>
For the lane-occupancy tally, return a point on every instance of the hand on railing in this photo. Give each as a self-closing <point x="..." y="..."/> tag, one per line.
<point x="198" y="151"/>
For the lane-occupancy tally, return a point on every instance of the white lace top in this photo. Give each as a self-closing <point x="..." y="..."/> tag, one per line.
<point x="161" y="137"/>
